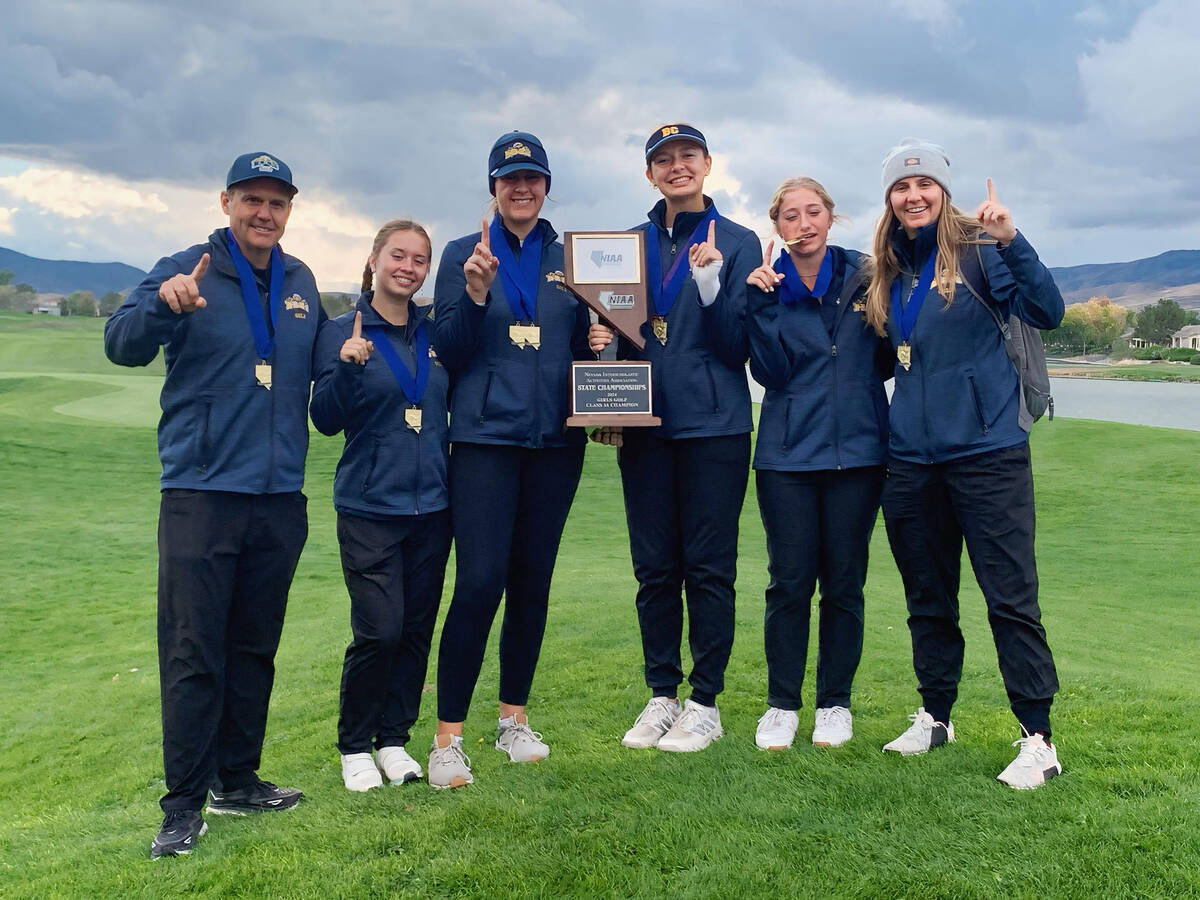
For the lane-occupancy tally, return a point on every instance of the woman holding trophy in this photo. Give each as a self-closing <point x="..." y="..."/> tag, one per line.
<point x="684" y="481"/>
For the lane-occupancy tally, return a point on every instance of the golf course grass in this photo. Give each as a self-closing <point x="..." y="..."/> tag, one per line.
<point x="80" y="756"/>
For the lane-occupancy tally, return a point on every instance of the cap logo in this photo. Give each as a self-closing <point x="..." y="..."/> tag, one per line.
<point x="518" y="149"/>
<point x="913" y="161"/>
<point x="264" y="163"/>
<point x="670" y="130"/>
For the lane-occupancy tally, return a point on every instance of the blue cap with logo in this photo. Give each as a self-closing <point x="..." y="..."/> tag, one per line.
<point x="668" y="133"/>
<point x="259" y="165"/>
<point x="514" y="152"/>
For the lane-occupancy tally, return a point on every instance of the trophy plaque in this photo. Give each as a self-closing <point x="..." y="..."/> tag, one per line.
<point x="607" y="271"/>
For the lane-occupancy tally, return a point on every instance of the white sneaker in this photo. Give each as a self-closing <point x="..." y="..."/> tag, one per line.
<point x="922" y="735"/>
<point x="449" y="767"/>
<point x="653" y="722"/>
<point x="776" y="729"/>
<point x="397" y="766"/>
<point x="359" y="772"/>
<point x="832" y="726"/>
<point x="1036" y="763"/>
<point x="696" y="728"/>
<point x="514" y="737"/>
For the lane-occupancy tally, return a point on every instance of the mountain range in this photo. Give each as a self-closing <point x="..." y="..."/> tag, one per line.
<point x="1174" y="274"/>
<point x="61" y="276"/>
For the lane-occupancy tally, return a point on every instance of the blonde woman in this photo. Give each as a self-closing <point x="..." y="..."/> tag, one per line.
<point x="958" y="453"/>
<point x="818" y="460"/>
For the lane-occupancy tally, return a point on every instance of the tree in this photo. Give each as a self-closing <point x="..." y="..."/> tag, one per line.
<point x="6" y="276"/>
<point x="82" y="303"/>
<point x="336" y="304"/>
<point x="109" y="303"/>
<point x="1095" y="324"/>
<point x="1157" y="323"/>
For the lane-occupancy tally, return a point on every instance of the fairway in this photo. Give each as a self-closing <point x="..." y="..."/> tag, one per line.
<point x="80" y="758"/>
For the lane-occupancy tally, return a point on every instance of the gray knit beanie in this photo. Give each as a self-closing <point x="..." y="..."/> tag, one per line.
<point x="914" y="156"/>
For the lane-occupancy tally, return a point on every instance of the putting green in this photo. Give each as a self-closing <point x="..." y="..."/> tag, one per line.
<point x="124" y="399"/>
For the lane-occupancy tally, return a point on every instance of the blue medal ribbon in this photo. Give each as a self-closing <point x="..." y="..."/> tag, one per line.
<point x="520" y="278"/>
<point x="412" y="388"/>
<point x="264" y="338"/>
<point x="906" y="316"/>
<point x="793" y="289"/>
<point x="664" y="290"/>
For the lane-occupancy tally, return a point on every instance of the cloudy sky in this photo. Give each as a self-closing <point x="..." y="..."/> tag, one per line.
<point x="118" y="120"/>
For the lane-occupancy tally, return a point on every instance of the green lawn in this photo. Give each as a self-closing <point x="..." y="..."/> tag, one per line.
<point x="1153" y="371"/>
<point x="80" y="766"/>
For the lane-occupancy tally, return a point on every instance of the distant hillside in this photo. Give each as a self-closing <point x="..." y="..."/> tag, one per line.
<point x="60" y="276"/>
<point x="1174" y="274"/>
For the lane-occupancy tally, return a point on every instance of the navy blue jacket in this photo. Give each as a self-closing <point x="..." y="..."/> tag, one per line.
<point x="386" y="469"/>
<point x="501" y="393"/>
<point x="962" y="395"/>
<point x="220" y="430"/>
<point x="824" y="407"/>
<point x="699" y="375"/>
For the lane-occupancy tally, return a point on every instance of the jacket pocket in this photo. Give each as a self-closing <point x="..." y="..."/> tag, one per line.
<point x="487" y="393"/>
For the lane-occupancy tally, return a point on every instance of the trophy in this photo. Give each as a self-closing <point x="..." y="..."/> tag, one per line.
<point x="606" y="270"/>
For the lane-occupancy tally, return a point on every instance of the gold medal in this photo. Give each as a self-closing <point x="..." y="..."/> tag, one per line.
<point x="412" y="418"/>
<point x="904" y="355"/>
<point x="262" y="373"/>
<point x="516" y="334"/>
<point x="659" y="325"/>
<point x="533" y="336"/>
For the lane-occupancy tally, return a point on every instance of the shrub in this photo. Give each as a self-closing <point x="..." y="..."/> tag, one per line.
<point x="1195" y="360"/>
<point x="1180" y="354"/>
<point x="1148" y="353"/>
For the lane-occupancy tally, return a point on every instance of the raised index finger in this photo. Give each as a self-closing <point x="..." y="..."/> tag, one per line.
<point x="712" y="231"/>
<point x="357" y="332"/>
<point x="201" y="268"/>
<point x="991" y="191"/>
<point x="770" y="250"/>
<point x="485" y="236"/>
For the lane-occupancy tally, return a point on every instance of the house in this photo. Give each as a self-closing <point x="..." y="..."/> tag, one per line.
<point x="1135" y="343"/>
<point x="1187" y="336"/>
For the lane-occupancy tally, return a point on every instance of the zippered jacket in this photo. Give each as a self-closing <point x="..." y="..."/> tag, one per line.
<point x="387" y="469"/>
<point x="699" y="376"/>
<point x="502" y="393"/>
<point x="824" y="406"/>
<point x="220" y="429"/>
<point x="961" y="395"/>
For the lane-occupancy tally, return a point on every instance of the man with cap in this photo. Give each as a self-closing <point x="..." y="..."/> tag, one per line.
<point x="236" y="318"/>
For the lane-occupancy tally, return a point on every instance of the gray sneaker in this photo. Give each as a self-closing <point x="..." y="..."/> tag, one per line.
<point x="449" y="767"/>
<point x="521" y="743"/>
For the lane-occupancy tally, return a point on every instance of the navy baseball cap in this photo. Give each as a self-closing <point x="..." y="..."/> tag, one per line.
<point x="668" y="133"/>
<point x="259" y="165"/>
<point x="513" y="152"/>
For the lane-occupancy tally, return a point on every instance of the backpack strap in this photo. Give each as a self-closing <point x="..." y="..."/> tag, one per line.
<point x="974" y="276"/>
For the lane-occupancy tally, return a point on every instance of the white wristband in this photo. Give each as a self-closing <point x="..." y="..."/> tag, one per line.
<point x="708" y="281"/>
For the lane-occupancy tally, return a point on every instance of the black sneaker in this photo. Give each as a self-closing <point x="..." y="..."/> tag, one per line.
<point x="261" y="796"/>
<point x="180" y="831"/>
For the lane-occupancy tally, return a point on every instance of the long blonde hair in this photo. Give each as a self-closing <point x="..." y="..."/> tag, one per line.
<point x="955" y="229"/>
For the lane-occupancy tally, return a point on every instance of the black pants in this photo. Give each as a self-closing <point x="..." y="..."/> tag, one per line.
<point x="225" y="564"/>
<point x="988" y="500"/>
<point x="509" y="506"/>
<point x="394" y="570"/>
<point x="682" y="503"/>
<point x="818" y="527"/>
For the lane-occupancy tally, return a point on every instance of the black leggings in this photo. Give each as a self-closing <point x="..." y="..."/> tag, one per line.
<point x="509" y="506"/>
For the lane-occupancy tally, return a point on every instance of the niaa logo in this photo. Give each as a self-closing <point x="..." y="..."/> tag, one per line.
<point x="600" y="259"/>
<point x="264" y="163"/>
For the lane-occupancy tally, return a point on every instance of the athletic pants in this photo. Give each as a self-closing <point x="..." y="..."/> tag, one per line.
<point x="988" y="500"/>
<point x="509" y="506"/>
<point x="683" y="498"/>
<point x="818" y="527"/>
<point x="225" y="564"/>
<point x="394" y="570"/>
